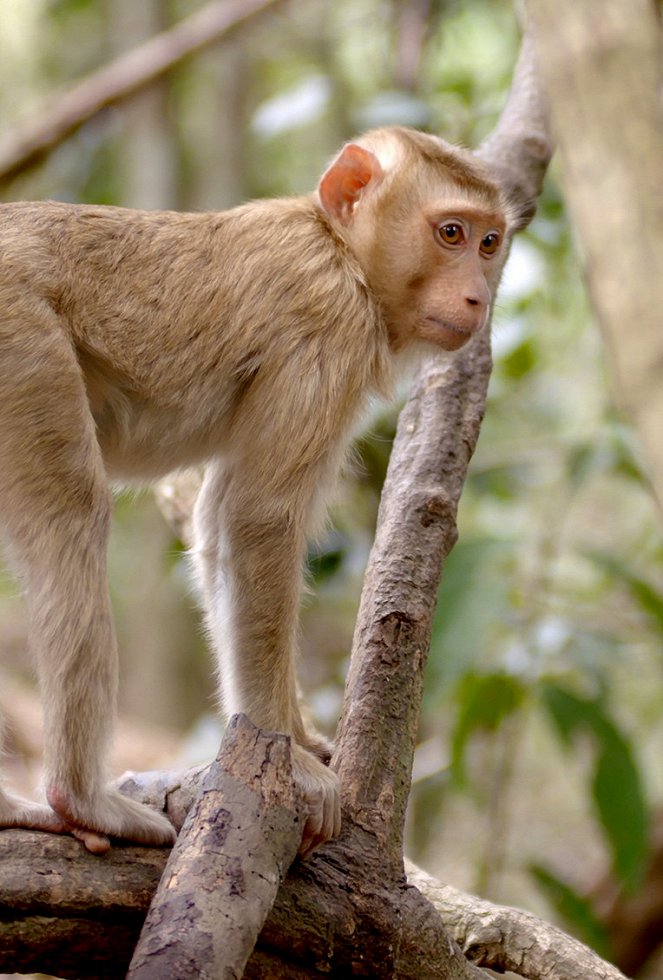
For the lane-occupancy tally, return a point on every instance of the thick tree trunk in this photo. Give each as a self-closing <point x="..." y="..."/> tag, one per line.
<point x="602" y="62"/>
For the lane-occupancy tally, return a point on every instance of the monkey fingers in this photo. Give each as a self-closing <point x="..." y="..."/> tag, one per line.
<point x="320" y="790"/>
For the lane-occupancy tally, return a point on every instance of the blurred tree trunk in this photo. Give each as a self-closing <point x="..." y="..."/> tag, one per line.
<point x="213" y="109"/>
<point x="602" y="62"/>
<point x="602" y="66"/>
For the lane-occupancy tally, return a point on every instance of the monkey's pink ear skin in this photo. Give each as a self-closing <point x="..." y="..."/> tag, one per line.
<point x="341" y="186"/>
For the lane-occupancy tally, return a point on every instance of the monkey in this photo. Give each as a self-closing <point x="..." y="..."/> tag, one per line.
<point x="134" y="343"/>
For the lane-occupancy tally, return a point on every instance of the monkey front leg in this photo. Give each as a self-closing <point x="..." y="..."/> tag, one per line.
<point x="249" y="558"/>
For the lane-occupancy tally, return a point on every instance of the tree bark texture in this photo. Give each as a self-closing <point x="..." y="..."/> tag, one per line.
<point x="231" y="856"/>
<point x="505" y="938"/>
<point x="67" y="912"/>
<point x="602" y="64"/>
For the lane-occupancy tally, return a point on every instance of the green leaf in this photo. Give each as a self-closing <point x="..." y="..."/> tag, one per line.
<point x="472" y="597"/>
<point x="642" y="592"/>
<point x="485" y="701"/>
<point x="574" y="910"/>
<point x="619" y="799"/>
<point x="565" y="709"/>
<point x="519" y="361"/>
<point x="324" y="558"/>
<point x="616" y="785"/>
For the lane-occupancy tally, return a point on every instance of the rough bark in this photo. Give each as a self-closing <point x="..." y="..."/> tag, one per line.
<point x="128" y="74"/>
<point x="239" y="839"/>
<point x="602" y="62"/>
<point x="79" y="916"/>
<point x="505" y="938"/>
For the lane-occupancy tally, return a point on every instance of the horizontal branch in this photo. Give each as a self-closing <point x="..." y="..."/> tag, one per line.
<point x="65" y="911"/>
<point x="504" y="938"/>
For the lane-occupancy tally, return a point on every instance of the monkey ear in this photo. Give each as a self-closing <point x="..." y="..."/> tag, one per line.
<point x="342" y="185"/>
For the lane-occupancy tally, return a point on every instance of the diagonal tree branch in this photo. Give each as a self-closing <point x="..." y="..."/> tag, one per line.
<point x="437" y="433"/>
<point x="127" y="74"/>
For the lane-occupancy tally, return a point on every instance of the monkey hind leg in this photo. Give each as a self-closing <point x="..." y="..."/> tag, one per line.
<point x="55" y="506"/>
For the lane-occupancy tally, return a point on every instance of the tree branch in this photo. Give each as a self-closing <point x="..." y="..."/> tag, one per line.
<point x="231" y="856"/>
<point x="437" y="433"/>
<point x="127" y="74"/>
<point x="505" y="938"/>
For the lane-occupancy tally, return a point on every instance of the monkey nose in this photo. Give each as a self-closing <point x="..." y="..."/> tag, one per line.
<point x="477" y="293"/>
<point x="478" y="298"/>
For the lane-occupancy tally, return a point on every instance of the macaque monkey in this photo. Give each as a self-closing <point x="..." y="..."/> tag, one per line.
<point x="134" y="343"/>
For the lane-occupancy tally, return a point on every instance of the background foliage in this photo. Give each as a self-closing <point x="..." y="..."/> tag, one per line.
<point x="537" y="777"/>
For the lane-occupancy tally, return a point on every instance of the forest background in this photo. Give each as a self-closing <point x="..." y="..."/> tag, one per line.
<point x="537" y="779"/>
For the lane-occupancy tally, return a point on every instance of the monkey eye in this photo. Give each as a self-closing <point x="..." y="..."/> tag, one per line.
<point x="490" y="243"/>
<point x="451" y="233"/>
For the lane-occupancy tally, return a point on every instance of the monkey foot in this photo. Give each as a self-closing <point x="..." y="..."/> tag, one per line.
<point x="19" y="813"/>
<point x="110" y="814"/>
<point x="320" y="790"/>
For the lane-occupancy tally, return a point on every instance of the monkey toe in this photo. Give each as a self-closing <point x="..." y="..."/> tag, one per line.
<point x="93" y="842"/>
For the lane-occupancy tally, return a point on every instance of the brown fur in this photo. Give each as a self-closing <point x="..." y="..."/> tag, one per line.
<point x="133" y="343"/>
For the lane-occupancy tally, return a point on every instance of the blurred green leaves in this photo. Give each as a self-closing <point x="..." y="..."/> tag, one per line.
<point x="616" y="784"/>
<point x="485" y="701"/>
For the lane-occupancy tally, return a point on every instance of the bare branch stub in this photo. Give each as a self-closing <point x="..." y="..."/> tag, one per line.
<point x="234" y="850"/>
<point x="520" y="147"/>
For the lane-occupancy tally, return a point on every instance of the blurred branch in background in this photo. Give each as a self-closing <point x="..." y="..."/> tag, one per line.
<point x="123" y="77"/>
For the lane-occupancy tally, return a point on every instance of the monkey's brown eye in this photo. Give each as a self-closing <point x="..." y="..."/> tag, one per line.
<point x="489" y="243"/>
<point x="451" y="233"/>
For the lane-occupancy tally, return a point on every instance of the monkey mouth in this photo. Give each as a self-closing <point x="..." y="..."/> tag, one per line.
<point x="448" y="325"/>
<point x="446" y="334"/>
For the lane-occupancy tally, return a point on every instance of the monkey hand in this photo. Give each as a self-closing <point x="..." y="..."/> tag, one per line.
<point x="107" y="814"/>
<point x="320" y="790"/>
